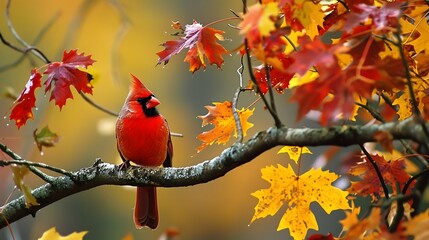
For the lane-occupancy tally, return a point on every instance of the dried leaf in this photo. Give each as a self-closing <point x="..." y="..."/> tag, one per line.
<point x="45" y="138"/>
<point x="18" y="177"/>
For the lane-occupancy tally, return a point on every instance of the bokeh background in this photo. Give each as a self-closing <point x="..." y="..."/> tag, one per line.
<point x="123" y="37"/>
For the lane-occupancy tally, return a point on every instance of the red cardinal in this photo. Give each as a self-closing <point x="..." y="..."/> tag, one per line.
<point x="143" y="138"/>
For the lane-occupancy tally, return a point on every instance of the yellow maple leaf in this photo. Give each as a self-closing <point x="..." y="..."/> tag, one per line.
<point x="404" y="101"/>
<point x="52" y="234"/>
<point x="18" y="177"/>
<point x="221" y="116"/>
<point x="310" y="15"/>
<point x="298" y="192"/>
<point x="294" y="152"/>
<point x="421" y="43"/>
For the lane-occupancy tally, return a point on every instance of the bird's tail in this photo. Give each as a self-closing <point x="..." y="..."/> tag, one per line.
<point x="146" y="209"/>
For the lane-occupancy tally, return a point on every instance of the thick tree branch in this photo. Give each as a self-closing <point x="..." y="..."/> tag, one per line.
<point x="108" y="174"/>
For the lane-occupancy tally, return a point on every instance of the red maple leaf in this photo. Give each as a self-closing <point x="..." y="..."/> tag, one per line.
<point x="22" y="107"/>
<point x="366" y="72"/>
<point x="393" y="173"/>
<point x="279" y="78"/>
<point x="65" y="73"/>
<point x="201" y="42"/>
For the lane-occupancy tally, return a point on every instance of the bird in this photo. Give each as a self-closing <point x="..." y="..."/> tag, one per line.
<point x="143" y="137"/>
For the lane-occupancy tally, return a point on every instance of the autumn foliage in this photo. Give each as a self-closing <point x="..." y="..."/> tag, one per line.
<point x="353" y="62"/>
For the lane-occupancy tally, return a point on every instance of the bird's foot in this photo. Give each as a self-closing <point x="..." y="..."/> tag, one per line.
<point x="125" y="165"/>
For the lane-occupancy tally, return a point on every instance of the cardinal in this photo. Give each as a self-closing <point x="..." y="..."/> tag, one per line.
<point x="143" y="137"/>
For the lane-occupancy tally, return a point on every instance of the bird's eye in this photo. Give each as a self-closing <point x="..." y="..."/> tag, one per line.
<point x="140" y="100"/>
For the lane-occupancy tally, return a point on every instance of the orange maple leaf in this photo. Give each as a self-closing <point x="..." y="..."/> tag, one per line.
<point x="201" y="42"/>
<point x="221" y="116"/>
<point x="298" y="192"/>
<point x="418" y="226"/>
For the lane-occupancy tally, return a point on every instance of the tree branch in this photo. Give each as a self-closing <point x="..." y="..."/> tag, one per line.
<point x="238" y="154"/>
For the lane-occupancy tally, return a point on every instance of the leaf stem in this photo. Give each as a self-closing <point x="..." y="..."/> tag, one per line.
<point x="222" y="20"/>
<point x="377" y="170"/>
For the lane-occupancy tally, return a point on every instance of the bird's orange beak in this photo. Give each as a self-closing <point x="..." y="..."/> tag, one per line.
<point x="153" y="102"/>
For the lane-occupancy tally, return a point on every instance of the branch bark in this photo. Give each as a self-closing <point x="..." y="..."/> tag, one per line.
<point x="102" y="173"/>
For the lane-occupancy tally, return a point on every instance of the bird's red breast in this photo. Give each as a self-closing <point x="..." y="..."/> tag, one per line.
<point x="142" y="133"/>
<point x="143" y="138"/>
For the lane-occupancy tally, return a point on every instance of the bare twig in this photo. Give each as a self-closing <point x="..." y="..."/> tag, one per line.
<point x="31" y="165"/>
<point x="27" y="46"/>
<point x="35" y="42"/>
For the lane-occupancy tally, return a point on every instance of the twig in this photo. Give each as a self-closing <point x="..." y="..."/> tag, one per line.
<point x="377" y="170"/>
<point x="238" y="126"/>
<point x="231" y="158"/>
<point x="31" y="165"/>
<point x="408" y="183"/>
<point x="34" y="50"/>
<point x="96" y="105"/>
<point x="270" y="91"/>
<point x="414" y="102"/>
<point x="120" y="34"/>
<point x="255" y="82"/>
<point x="36" y="41"/>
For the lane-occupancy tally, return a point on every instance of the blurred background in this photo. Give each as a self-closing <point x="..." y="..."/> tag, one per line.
<point x="123" y="37"/>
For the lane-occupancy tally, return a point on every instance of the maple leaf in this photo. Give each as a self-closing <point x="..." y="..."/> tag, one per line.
<point x="422" y="41"/>
<point x="298" y="192"/>
<point x="310" y="16"/>
<point x="365" y="73"/>
<point x="45" y="138"/>
<point x="366" y="226"/>
<point x="404" y="102"/>
<point x="279" y="78"/>
<point x="258" y="22"/>
<point x="381" y="19"/>
<point x="22" y="107"/>
<point x="294" y="152"/>
<point x="18" y="177"/>
<point x="418" y="226"/>
<point x="201" y="42"/>
<point x="351" y="218"/>
<point x="221" y="116"/>
<point x="52" y="234"/>
<point x="393" y="173"/>
<point x="62" y="75"/>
